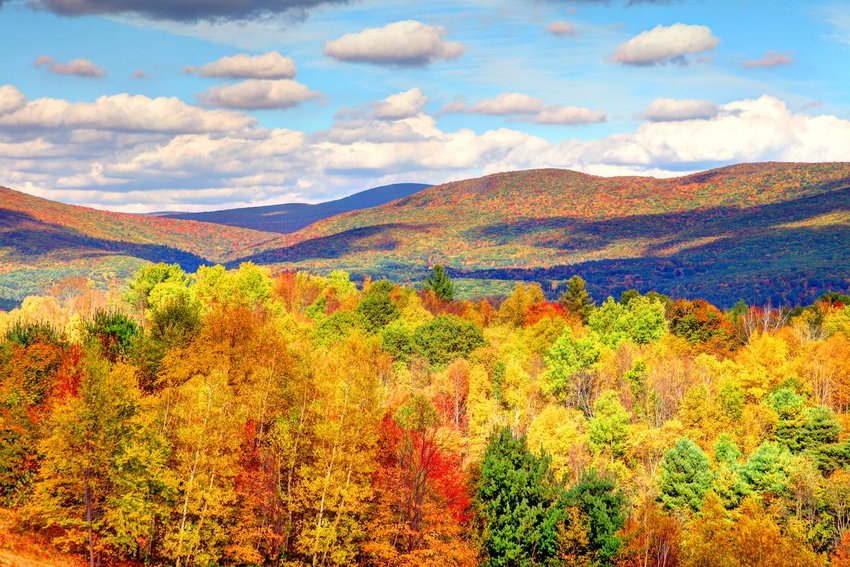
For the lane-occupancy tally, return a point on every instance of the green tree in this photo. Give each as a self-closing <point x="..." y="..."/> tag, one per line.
<point x="377" y="307"/>
<point x="576" y="299"/>
<point x="767" y="470"/>
<point x="604" y="507"/>
<point x="148" y="277"/>
<point x="571" y="367"/>
<point x="114" y="331"/>
<point x="445" y="338"/>
<point x="609" y="426"/>
<point x="640" y="321"/>
<point x="439" y="282"/>
<point x="685" y="476"/>
<point x="517" y="500"/>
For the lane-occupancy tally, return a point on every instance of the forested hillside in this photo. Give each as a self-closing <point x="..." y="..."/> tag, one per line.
<point x="759" y="232"/>
<point x="42" y="242"/>
<point x="239" y="418"/>
<point x="765" y="231"/>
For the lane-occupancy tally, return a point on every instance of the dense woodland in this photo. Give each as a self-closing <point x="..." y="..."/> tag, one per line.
<point x="240" y="418"/>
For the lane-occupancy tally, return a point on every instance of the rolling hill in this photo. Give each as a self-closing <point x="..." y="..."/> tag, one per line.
<point x="42" y="241"/>
<point x="758" y="232"/>
<point x="290" y="217"/>
<point x="765" y="231"/>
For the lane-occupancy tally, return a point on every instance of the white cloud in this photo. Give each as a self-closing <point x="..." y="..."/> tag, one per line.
<point x="255" y="94"/>
<point x="671" y="110"/>
<point x="664" y="44"/>
<point x="402" y="105"/>
<point x="405" y="43"/>
<point x="569" y="115"/>
<point x="271" y="65"/>
<point x="183" y="166"/>
<point x="77" y="67"/>
<point x="562" y="28"/>
<point x="519" y="104"/>
<point x="124" y="112"/>
<point x="770" y="59"/>
<point x="505" y="104"/>
<point x="11" y="99"/>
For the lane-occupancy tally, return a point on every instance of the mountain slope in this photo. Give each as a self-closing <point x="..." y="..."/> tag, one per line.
<point x="771" y="230"/>
<point x="42" y="240"/>
<point x="291" y="217"/>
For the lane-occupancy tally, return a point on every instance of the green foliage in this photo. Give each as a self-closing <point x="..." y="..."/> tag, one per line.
<point x="150" y="276"/>
<point x="567" y="358"/>
<point x="726" y="451"/>
<point x="113" y="331"/>
<point x="377" y="308"/>
<point x="604" y="505"/>
<point x="517" y="499"/>
<point x="397" y="340"/>
<point x="609" y="426"/>
<point x="685" y="476"/>
<point x="576" y="299"/>
<point x="439" y="282"/>
<point x="640" y="321"/>
<point x="767" y="470"/>
<point x="339" y="325"/>
<point x="26" y="334"/>
<point x="446" y="338"/>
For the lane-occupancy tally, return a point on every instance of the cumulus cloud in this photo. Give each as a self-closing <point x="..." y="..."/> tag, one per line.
<point x="770" y="59"/>
<point x="561" y="28"/>
<point x="76" y="68"/>
<point x="11" y="99"/>
<point x="406" y="43"/>
<point x="665" y="44"/>
<point x="271" y="65"/>
<point x="124" y="112"/>
<point x="256" y="94"/>
<point x="402" y="105"/>
<point x="672" y="110"/>
<point x="185" y="10"/>
<point x="569" y="115"/>
<point x="83" y="153"/>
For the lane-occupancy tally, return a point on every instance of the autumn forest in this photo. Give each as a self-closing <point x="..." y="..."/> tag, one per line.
<point x="240" y="417"/>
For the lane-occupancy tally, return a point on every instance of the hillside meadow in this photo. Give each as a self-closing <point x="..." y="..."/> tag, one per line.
<point x="233" y="417"/>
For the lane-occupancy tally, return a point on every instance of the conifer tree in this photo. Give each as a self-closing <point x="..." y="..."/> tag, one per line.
<point x="576" y="299"/>
<point x="439" y="282"/>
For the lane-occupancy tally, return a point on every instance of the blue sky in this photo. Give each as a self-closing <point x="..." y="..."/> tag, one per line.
<point x="625" y="88"/>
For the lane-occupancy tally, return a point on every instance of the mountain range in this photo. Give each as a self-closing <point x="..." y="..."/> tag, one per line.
<point x="290" y="217"/>
<point x="758" y="232"/>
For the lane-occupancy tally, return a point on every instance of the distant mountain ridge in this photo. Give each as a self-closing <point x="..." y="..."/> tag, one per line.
<point x="291" y="217"/>
<point x="762" y="231"/>
<point x="758" y="232"/>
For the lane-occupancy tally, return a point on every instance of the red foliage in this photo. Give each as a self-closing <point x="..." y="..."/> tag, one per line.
<point x="539" y="311"/>
<point x="70" y="374"/>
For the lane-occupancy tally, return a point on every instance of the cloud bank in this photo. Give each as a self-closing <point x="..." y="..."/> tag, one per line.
<point x="136" y="153"/>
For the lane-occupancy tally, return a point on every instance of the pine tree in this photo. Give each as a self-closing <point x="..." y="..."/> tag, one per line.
<point x="685" y="476"/>
<point x="576" y="299"/>
<point x="439" y="282"/>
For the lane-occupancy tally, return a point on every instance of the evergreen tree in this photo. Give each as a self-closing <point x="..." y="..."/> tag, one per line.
<point x="685" y="476"/>
<point x="517" y="503"/>
<point x="439" y="282"/>
<point x="603" y="506"/>
<point x="576" y="299"/>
